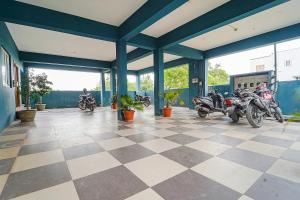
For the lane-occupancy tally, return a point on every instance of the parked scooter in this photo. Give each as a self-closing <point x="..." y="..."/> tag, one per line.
<point x="262" y="104"/>
<point x="213" y="102"/>
<point x="145" y="99"/>
<point x="86" y="101"/>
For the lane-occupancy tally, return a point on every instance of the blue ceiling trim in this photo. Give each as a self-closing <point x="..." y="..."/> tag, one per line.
<point x="62" y="60"/>
<point x="146" y="15"/>
<point x="185" y="51"/>
<point x="170" y="64"/>
<point x="268" y="38"/>
<point x="225" y="14"/>
<point x="61" y="67"/>
<point x="135" y="55"/>
<point x="143" y="41"/>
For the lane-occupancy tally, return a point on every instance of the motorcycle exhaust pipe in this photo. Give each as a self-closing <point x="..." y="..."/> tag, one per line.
<point x="259" y="104"/>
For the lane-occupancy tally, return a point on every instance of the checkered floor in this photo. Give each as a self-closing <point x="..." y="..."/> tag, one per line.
<point x="70" y="154"/>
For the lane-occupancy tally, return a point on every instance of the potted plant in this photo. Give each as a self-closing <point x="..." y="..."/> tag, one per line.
<point x="114" y="102"/>
<point x="170" y="97"/>
<point x="128" y="107"/>
<point x="27" y="115"/>
<point x="40" y="87"/>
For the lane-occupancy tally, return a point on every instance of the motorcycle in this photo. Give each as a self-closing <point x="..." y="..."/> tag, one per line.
<point x="213" y="102"/>
<point x="262" y="104"/>
<point x="146" y="100"/>
<point x="237" y="104"/>
<point x="87" y="102"/>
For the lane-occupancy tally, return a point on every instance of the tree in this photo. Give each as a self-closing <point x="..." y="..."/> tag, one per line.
<point x="146" y="83"/>
<point x="41" y="86"/>
<point x="217" y="75"/>
<point x="177" y="77"/>
<point x="131" y="86"/>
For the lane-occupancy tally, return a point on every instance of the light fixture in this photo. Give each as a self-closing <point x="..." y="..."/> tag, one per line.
<point x="233" y="28"/>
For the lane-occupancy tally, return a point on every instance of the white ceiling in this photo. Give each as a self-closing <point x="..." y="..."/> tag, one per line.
<point x="148" y="61"/>
<point x="182" y="15"/>
<point x="56" y="43"/>
<point x="112" y="12"/>
<point x="278" y="17"/>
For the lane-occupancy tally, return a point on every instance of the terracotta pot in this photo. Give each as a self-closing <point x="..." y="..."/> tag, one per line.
<point x="167" y="112"/>
<point x="40" y="106"/>
<point x="27" y="115"/>
<point x="114" y="106"/>
<point x="128" y="115"/>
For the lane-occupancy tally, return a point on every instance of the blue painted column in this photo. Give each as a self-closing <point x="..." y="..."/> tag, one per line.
<point x="113" y="82"/>
<point x="203" y="76"/>
<point x="103" y="97"/>
<point x="138" y="83"/>
<point x="121" y="63"/>
<point x="158" y="81"/>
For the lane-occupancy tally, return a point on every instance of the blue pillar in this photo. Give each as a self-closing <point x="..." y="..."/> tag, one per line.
<point x="158" y="81"/>
<point x="113" y="82"/>
<point x="203" y="74"/>
<point x="121" y="63"/>
<point x="103" y="97"/>
<point x="138" y="83"/>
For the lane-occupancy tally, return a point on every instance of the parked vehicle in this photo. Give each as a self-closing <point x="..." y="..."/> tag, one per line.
<point x="237" y="104"/>
<point x="262" y="104"/>
<point x="86" y="101"/>
<point x="146" y="100"/>
<point x="213" y="102"/>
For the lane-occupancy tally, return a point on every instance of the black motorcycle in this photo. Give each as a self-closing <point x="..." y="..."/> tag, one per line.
<point x="213" y="102"/>
<point x="146" y="100"/>
<point x="262" y="104"/>
<point x="86" y="101"/>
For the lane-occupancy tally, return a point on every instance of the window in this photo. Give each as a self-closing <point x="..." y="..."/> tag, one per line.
<point x="287" y="63"/>
<point x="245" y="85"/>
<point x="260" y="68"/>
<point x="251" y="84"/>
<point x="239" y="85"/>
<point x="5" y="67"/>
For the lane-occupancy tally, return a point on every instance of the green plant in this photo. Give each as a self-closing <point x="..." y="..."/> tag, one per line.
<point x="40" y="86"/>
<point x="128" y="103"/>
<point x="181" y="102"/>
<point x="26" y="87"/>
<point x="114" y="98"/>
<point x="170" y="97"/>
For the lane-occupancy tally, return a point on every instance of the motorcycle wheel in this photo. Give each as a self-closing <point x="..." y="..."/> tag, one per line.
<point x="235" y="118"/>
<point x="252" y="116"/>
<point x="92" y="108"/>
<point x="202" y="114"/>
<point x="81" y="106"/>
<point x="278" y="115"/>
<point x="147" y="103"/>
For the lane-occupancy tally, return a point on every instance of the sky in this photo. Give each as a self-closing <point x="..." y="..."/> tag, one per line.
<point x="237" y="63"/>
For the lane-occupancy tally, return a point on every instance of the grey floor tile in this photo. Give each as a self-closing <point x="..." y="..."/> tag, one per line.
<point x="181" y="138"/>
<point x="192" y="186"/>
<point x="81" y="150"/>
<point x="214" y="129"/>
<point x="249" y="159"/>
<point x="31" y="180"/>
<point x="5" y="165"/>
<point x="104" y="136"/>
<point x="113" y="184"/>
<point x="291" y="155"/>
<point x="186" y="156"/>
<point x="269" y="187"/>
<point x="141" y="137"/>
<point x="273" y="141"/>
<point x="131" y="153"/>
<point x="179" y="129"/>
<point x="8" y="144"/>
<point x="37" y="148"/>
<point x="226" y="140"/>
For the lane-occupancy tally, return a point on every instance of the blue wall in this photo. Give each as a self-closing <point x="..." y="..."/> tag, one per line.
<point x="7" y="97"/>
<point x="66" y="99"/>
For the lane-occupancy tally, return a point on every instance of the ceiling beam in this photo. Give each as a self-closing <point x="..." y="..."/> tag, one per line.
<point x="34" y="16"/>
<point x="135" y="55"/>
<point x="279" y="35"/>
<point x="62" y="60"/>
<point x="225" y="14"/>
<point x="146" y="15"/>
<point x="61" y="67"/>
<point x="184" y="51"/>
